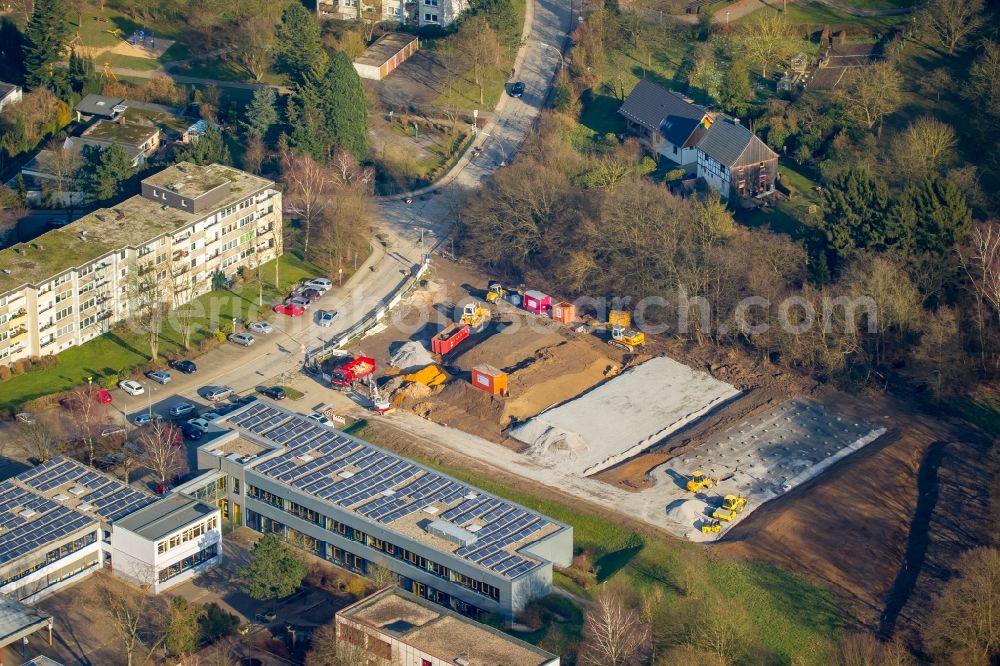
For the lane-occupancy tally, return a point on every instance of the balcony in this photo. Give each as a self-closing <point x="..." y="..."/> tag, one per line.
<point x="106" y="314"/>
<point x="180" y="254"/>
<point x="17" y="315"/>
<point x="46" y="326"/>
<point x="18" y="333"/>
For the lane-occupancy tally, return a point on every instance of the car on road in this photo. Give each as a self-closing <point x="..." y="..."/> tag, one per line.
<point x="289" y="309"/>
<point x="516" y="89"/>
<point x="244" y="339"/>
<point x="200" y="422"/>
<point x="321" y="285"/>
<point x="104" y="397"/>
<point x="261" y="327"/>
<point x="145" y="418"/>
<point x="184" y="365"/>
<point x="274" y="392"/>
<point x="192" y="432"/>
<point x="325" y="317"/>
<point x="181" y="409"/>
<point x="112" y="429"/>
<point x="300" y="301"/>
<point x="214" y="393"/>
<point x="159" y="376"/>
<point x="131" y="387"/>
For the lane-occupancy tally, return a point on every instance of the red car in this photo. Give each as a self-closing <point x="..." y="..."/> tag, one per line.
<point x="289" y="309"/>
<point x="103" y="397"/>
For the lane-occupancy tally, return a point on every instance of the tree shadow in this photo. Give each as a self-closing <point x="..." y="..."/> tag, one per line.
<point x="611" y="563"/>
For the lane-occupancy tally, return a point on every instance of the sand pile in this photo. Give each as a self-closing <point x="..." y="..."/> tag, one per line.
<point x="623" y="416"/>
<point x="411" y="356"/>
<point x="430" y="375"/>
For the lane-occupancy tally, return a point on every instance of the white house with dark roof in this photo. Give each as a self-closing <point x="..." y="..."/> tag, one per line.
<point x="9" y="93"/>
<point x="666" y="122"/>
<point x="735" y="162"/>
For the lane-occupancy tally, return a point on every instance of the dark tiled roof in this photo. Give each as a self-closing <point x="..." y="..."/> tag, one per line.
<point x="6" y="89"/>
<point x="727" y="141"/>
<point x="97" y="105"/>
<point x="656" y="108"/>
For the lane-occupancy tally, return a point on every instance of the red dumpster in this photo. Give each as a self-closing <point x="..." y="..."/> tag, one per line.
<point x="449" y="338"/>
<point x="537" y="302"/>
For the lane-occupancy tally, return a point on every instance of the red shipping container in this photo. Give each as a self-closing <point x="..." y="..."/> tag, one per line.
<point x="489" y="379"/>
<point x="537" y="302"/>
<point x="449" y="338"/>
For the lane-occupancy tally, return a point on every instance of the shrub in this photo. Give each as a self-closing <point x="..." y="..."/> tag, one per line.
<point x="108" y="381"/>
<point x="674" y="174"/>
<point x="5" y="373"/>
<point x="220" y="335"/>
<point x="20" y="366"/>
<point x="216" y="622"/>
<point x="357" y="587"/>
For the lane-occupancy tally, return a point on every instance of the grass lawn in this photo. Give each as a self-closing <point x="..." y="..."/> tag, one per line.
<point x="117" y="350"/>
<point x="96" y="27"/>
<point x="883" y="4"/>
<point x="224" y="70"/>
<point x="789" y="615"/>
<point x="816" y="13"/>
<point x="126" y="62"/>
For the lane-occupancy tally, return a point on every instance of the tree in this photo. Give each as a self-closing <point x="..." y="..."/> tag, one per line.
<point x="105" y="171"/>
<point x="45" y="37"/>
<point x="614" y="634"/>
<point x="90" y="414"/>
<point x="274" y="571"/>
<point x="863" y="649"/>
<point x="39" y="438"/>
<point x="481" y="45"/>
<point x="896" y="300"/>
<point x="260" y="113"/>
<point x="308" y="185"/>
<point x="159" y="454"/>
<point x="326" y="650"/>
<point x="856" y="206"/>
<point x="925" y="148"/>
<point x="82" y="76"/>
<point x="298" y="46"/>
<point x="345" y="107"/>
<point x="963" y="627"/>
<point x="131" y="615"/>
<point x="64" y="166"/>
<point x="210" y="148"/>
<point x="872" y="92"/>
<point x="255" y="154"/>
<point x="182" y="629"/>
<point x="950" y="22"/>
<point x="984" y="80"/>
<point x="723" y="629"/>
<point x="765" y="39"/>
<point x="940" y="357"/>
<point x="381" y="575"/>
<point x="981" y="260"/>
<point x="148" y="288"/>
<point x="939" y="214"/>
<point x="254" y="49"/>
<point x="735" y="92"/>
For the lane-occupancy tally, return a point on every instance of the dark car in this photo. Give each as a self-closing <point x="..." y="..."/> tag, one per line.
<point x="274" y="392"/>
<point x="191" y="432"/>
<point x="185" y="366"/>
<point x="246" y="400"/>
<point x="517" y="89"/>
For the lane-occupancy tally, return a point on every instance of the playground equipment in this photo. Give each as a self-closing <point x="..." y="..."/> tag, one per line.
<point x="108" y="74"/>
<point x="142" y="38"/>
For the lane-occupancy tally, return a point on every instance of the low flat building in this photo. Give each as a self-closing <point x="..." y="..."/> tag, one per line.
<point x="167" y="542"/>
<point x="19" y="621"/>
<point x="359" y="506"/>
<point x="405" y="630"/>
<point x="385" y="55"/>
<point x="99" y="107"/>
<point x="9" y="93"/>
<point x="139" y="140"/>
<point x="191" y="222"/>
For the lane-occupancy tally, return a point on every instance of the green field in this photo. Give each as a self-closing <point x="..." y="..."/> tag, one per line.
<point x="812" y="12"/>
<point x="118" y="350"/>
<point x="790" y="620"/>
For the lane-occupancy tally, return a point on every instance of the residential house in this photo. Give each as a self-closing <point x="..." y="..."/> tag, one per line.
<point x="666" y="122"/>
<point x="139" y="140"/>
<point x="9" y="93"/>
<point x="735" y="162"/>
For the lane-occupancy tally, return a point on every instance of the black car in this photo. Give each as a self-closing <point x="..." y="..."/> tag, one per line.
<point x="274" y="393"/>
<point x="185" y="366"/>
<point x="191" y="432"/>
<point x="517" y="89"/>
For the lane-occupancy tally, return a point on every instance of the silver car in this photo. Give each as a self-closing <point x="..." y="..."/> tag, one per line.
<point x="261" y="327"/>
<point x="244" y="339"/>
<point x="325" y="317"/>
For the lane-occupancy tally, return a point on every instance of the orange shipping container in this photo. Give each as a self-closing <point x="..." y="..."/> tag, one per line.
<point x="489" y="379"/>
<point x="564" y="312"/>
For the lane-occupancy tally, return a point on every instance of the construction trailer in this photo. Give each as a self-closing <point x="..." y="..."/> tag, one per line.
<point x="487" y="378"/>
<point x="537" y="302"/>
<point x="564" y="312"/>
<point x="449" y="338"/>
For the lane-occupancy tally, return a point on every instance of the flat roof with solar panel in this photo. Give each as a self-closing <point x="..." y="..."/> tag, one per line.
<point x="388" y="490"/>
<point x="47" y="503"/>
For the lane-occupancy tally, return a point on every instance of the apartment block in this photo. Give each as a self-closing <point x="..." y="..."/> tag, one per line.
<point x="164" y="245"/>
<point x="358" y="506"/>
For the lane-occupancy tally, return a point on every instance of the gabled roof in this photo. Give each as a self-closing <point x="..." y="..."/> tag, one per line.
<point x="658" y="109"/>
<point x="732" y="144"/>
<point x="7" y="89"/>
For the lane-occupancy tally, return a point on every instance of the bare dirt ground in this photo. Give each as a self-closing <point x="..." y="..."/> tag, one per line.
<point x="152" y="51"/>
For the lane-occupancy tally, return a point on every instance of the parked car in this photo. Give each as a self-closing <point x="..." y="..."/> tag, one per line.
<point x="104" y="397"/>
<point x="289" y="309"/>
<point x="244" y="339"/>
<point x="225" y="408"/>
<point x="185" y="366"/>
<point x="212" y="415"/>
<point x="325" y="317"/>
<point x="181" y="409"/>
<point x="213" y="393"/>
<point x="320" y="419"/>
<point x="112" y="429"/>
<point x="311" y="294"/>
<point x="131" y="387"/>
<point x="517" y="89"/>
<point x="145" y="418"/>
<point x="246" y="400"/>
<point x="191" y="432"/>
<point x="300" y="301"/>
<point x="159" y="376"/>
<point x="200" y="422"/>
<point x="319" y="284"/>
<point x="274" y="392"/>
<point x="104" y="463"/>
<point x="260" y="327"/>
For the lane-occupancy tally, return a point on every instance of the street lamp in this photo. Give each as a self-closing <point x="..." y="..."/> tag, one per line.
<point x="562" y="61"/>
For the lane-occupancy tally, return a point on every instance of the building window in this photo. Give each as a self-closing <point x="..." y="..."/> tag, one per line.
<point x="432" y="18"/>
<point x="189" y="562"/>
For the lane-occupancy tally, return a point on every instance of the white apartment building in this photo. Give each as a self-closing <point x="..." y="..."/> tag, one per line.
<point x="167" y="542"/>
<point x="413" y="12"/>
<point x="190" y="223"/>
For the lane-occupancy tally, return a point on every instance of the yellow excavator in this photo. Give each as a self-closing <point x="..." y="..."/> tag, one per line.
<point x="731" y="507"/>
<point x="711" y="526"/>
<point x="475" y="316"/>
<point x="698" y="481"/>
<point x="496" y="293"/>
<point x="626" y="338"/>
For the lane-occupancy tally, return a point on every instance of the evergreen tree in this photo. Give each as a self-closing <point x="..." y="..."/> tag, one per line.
<point x="208" y="149"/>
<point x="941" y="214"/>
<point x="45" y="36"/>
<point x="105" y="171"/>
<point x="856" y="211"/>
<point x="260" y="113"/>
<point x="298" y="46"/>
<point x="274" y="571"/>
<point x="734" y="89"/>
<point x="82" y="77"/>
<point x="345" y="107"/>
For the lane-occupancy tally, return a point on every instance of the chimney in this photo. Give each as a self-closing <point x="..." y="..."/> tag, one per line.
<point x="736" y="121"/>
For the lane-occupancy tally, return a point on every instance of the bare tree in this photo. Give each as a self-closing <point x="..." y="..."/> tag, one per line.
<point x="325" y="649"/>
<point x="614" y="633"/>
<point x="863" y="649"/>
<point x="307" y="189"/>
<point x="90" y="414"/>
<point x="38" y="438"/>
<point x="254" y="50"/>
<point x="723" y="629"/>
<point x="950" y="22"/>
<point x="148" y="292"/>
<point x="381" y="575"/>
<point x="62" y="164"/>
<point x="255" y="154"/>
<point x="159" y="454"/>
<point x="481" y="45"/>
<point x="983" y="88"/>
<point x="982" y="261"/>
<point x="765" y="39"/>
<point x="963" y="627"/>
<point x="872" y="93"/>
<point x="894" y="296"/>
<point x="132" y="616"/>
<point x="925" y="147"/>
